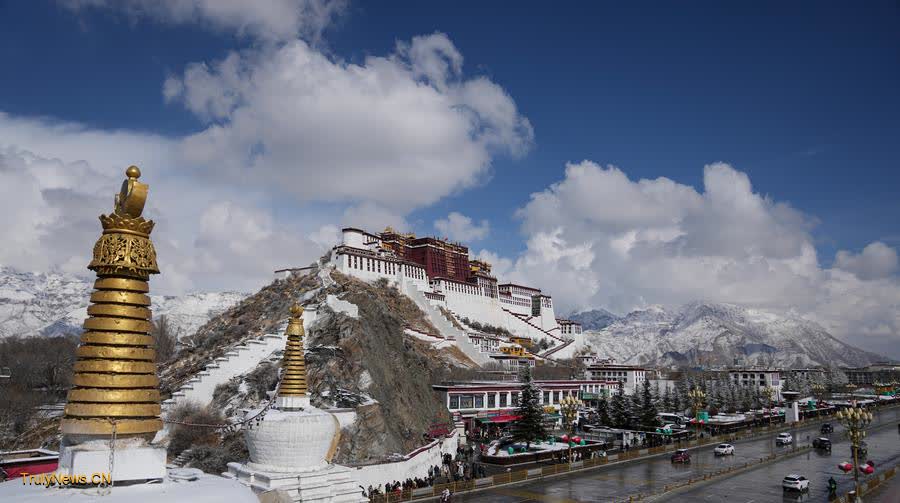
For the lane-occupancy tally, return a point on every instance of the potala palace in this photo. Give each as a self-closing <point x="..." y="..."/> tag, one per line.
<point x="455" y="291"/>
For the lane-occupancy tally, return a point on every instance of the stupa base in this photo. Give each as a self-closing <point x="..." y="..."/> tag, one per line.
<point x="331" y="484"/>
<point x="133" y="460"/>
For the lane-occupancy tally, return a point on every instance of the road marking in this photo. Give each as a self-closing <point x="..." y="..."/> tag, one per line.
<point x="521" y="493"/>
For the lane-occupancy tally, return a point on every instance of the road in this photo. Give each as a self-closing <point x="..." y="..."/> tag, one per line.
<point x="617" y="482"/>
<point x="763" y="483"/>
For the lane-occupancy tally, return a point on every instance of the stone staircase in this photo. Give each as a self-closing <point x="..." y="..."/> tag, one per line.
<point x="182" y="458"/>
<point x="525" y="319"/>
<point x="444" y="326"/>
<point x="236" y="361"/>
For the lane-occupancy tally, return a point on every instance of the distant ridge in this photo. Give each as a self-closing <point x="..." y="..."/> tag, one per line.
<point x="722" y="334"/>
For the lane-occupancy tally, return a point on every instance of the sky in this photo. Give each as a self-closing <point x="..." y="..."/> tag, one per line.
<point x="617" y="156"/>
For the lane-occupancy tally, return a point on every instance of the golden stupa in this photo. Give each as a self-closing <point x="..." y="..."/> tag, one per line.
<point x="293" y="380"/>
<point x="115" y="382"/>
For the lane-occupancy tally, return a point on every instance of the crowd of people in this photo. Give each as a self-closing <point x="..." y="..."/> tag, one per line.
<point x="462" y="466"/>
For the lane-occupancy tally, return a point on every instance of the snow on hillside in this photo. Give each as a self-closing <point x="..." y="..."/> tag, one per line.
<point x="55" y="303"/>
<point x="711" y="333"/>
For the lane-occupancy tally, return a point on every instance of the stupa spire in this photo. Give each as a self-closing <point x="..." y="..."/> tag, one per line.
<point x="293" y="380"/>
<point x="115" y="371"/>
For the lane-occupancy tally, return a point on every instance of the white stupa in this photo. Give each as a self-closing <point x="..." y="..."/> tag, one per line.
<point x="292" y="445"/>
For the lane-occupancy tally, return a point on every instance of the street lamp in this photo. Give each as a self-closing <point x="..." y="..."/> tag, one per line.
<point x="769" y="394"/>
<point x="855" y="421"/>
<point x="697" y="398"/>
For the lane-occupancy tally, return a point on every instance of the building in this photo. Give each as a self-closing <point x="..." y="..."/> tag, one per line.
<point x="478" y="403"/>
<point x="759" y="378"/>
<point x="881" y="372"/>
<point x="631" y="377"/>
<point x="441" y="279"/>
<point x="811" y="375"/>
<point x="568" y="328"/>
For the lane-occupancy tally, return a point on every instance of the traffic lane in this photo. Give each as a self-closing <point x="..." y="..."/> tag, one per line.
<point x="764" y="483"/>
<point x="651" y="475"/>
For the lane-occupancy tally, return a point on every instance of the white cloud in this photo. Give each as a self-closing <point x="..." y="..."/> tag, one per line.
<point x="399" y="132"/>
<point x="459" y="227"/>
<point x="597" y="238"/>
<point x="296" y="143"/>
<point x="877" y="260"/>
<point x="263" y="19"/>
<point x="56" y="178"/>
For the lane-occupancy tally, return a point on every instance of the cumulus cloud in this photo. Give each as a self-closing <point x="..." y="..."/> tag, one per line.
<point x="56" y="178"/>
<point x="399" y="132"/>
<point x="296" y="144"/>
<point x="877" y="260"/>
<point x="459" y="227"/>
<point x="598" y="238"/>
<point x="263" y="19"/>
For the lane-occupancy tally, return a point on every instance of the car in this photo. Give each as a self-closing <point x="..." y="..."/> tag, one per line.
<point x="826" y="429"/>
<point x="794" y="482"/>
<point x="784" y="439"/>
<point x="681" y="456"/>
<point x="822" y="443"/>
<point x="723" y="449"/>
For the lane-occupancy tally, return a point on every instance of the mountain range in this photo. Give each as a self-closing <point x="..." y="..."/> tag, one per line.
<point x="48" y="304"/>
<point x="705" y="333"/>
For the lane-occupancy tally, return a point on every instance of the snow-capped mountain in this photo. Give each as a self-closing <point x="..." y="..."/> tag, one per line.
<point x="710" y="333"/>
<point x="56" y="303"/>
<point x="595" y="319"/>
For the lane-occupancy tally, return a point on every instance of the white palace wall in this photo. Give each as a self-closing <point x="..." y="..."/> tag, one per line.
<point x="414" y="464"/>
<point x="463" y="299"/>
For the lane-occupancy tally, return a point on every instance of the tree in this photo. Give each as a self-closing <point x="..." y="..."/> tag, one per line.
<point x="603" y="410"/>
<point x="530" y="425"/>
<point x="835" y="380"/>
<point x="647" y="416"/>
<point x="667" y="400"/>
<point x="164" y="337"/>
<point x="676" y="400"/>
<point x="619" y="412"/>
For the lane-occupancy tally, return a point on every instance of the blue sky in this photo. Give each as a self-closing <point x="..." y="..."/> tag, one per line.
<point x="799" y="99"/>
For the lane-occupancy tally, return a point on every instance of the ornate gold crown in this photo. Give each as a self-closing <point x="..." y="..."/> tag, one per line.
<point x="125" y="248"/>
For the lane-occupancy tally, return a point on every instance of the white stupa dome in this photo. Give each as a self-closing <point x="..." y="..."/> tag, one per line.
<point x="292" y="440"/>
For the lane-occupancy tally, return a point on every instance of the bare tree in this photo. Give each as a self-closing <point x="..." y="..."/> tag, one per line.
<point x="165" y="338"/>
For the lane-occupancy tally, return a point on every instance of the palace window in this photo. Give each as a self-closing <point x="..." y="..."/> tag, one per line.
<point x="454" y="401"/>
<point x="503" y="398"/>
<point x="492" y="400"/>
<point x="479" y="401"/>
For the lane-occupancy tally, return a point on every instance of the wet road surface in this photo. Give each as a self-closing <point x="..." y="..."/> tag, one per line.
<point x="617" y="482"/>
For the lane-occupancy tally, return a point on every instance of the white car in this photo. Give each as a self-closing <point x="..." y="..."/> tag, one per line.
<point x="794" y="482"/>
<point x="784" y="439"/>
<point x="723" y="449"/>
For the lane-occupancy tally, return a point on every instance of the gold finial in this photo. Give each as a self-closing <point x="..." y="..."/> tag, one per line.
<point x="133" y="172"/>
<point x="115" y="371"/>
<point x="293" y="379"/>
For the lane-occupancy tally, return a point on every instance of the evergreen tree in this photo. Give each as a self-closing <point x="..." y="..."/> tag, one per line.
<point x="619" y="412"/>
<point x="677" y="400"/>
<point x="635" y="409"/>
<point x="530" y="425"/>
<point x="657" y="396"/>
<point x="647" y="416"/>
<point x="667" y="400"/>
<point x="603" y="410"/>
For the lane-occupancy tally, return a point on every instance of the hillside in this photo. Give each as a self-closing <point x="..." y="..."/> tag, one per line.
<point x="595" y="319"/>
<point x="358" y="356"/>
<point x="711" y="333"/>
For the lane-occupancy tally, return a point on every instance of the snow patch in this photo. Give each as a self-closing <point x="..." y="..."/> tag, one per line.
<point x="341" y="306"/>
